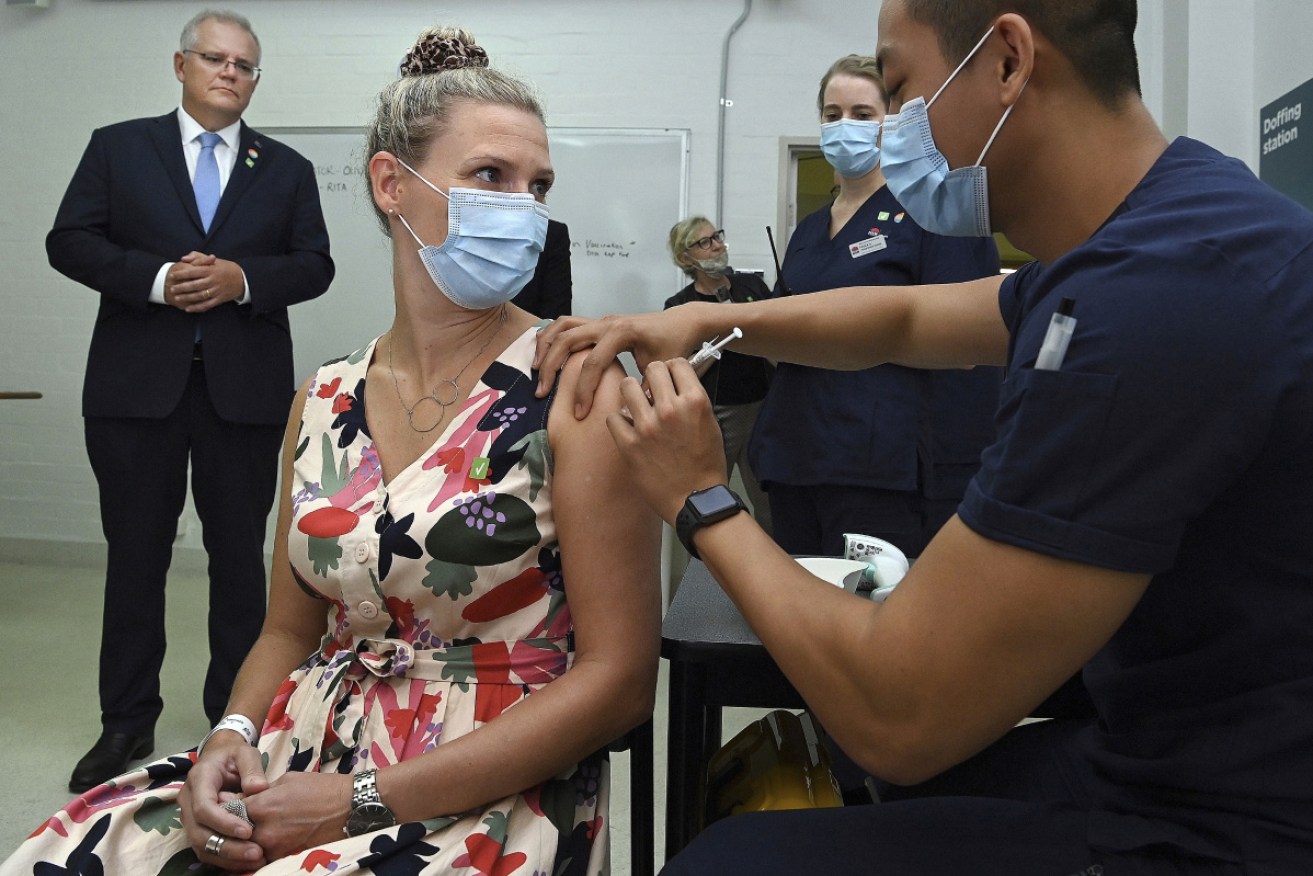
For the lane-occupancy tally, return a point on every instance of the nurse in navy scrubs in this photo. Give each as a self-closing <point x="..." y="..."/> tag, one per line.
<point x="886" y="451"/>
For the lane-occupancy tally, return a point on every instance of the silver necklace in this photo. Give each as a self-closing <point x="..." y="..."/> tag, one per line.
<point x="436" y="396"/>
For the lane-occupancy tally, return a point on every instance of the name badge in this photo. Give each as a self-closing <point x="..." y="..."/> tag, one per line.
<point x="868" y="246"/>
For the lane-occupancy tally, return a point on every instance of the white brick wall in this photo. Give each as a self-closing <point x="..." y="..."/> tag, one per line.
<point x="80" y="64"/>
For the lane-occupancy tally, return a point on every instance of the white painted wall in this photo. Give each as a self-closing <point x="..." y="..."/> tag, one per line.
<point x="79" y="64"/>
<point x="1283" y="31"/>
<point x="1222" y="104"/>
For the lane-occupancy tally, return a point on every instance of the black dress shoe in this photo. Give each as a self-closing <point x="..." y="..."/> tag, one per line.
<point x="108" y="758"/>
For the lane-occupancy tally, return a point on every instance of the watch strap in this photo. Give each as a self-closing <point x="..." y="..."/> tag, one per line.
<point x="364" y="788"/>
<point x="688" y="521"/>
<point x="368" y="811"/>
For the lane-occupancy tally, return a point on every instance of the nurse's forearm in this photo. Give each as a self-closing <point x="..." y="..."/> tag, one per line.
<point x="947" y="326"/>
<point x="841" y="329"/>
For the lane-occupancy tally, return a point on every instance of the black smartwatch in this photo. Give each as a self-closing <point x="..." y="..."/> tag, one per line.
<point x="703" y="508"/>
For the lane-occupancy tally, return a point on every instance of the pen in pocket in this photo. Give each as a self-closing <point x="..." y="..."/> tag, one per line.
<point x="1056" y="339"/>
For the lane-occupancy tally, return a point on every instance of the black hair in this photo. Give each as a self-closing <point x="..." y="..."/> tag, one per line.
<point x="1096" y="36"/>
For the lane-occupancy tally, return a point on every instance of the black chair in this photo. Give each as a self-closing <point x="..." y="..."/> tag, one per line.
<point x="642" y="822"/>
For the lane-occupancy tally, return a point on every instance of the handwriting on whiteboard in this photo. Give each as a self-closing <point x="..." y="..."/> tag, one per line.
<point x="607" y="249"/>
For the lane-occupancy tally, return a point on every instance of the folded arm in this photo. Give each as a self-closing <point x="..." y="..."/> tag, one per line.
<point x="303" y="269"/>
<point x="80" y="246"/>
<point x="86" y="246"/>
<point x="294" y="624"/>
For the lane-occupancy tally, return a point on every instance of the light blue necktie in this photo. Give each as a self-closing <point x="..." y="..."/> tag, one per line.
<point x="206" y="182"/>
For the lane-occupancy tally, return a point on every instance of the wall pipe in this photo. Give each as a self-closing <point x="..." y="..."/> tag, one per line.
<point x="725" y="104"/>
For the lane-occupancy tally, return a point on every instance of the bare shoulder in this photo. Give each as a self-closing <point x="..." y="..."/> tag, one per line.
<point x="606" y="400"/>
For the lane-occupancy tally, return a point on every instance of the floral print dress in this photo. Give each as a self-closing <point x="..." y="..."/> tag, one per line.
<point x="445" y="607"/>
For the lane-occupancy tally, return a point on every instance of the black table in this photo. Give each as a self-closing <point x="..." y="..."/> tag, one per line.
<point x="715" y="661"/>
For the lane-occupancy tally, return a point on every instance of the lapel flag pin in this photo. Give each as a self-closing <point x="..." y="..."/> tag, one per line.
<point x="899" y="218"/>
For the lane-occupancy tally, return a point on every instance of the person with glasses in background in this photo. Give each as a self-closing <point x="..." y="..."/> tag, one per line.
<point x="198" y="233"/>
<point x="735" y="383"/>
<point x="465" y="604"/>
<point x="885" y="451"/>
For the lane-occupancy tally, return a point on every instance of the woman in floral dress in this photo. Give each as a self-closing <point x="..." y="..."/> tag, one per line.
<point x="475" y="587"/>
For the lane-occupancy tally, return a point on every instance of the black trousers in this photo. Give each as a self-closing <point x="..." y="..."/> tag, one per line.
<point x="1017" y="809"/>
<point x="141" y="471"/>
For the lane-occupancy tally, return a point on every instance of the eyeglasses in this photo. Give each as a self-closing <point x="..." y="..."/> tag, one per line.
<point x="704" y="243"/>
<point x="219" y="62"/>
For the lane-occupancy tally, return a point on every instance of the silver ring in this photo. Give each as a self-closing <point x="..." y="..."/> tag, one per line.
<point x="208" y="293"/>
<point x="214" y="843"/>
<point x="238" y="808"/>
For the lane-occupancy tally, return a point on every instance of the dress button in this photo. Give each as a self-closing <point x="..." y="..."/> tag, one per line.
<point x="362" y="553"/>
<point x="368" y="610"/>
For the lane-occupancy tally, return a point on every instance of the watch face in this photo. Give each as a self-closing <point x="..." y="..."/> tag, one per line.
<point x="710" y="501"/>
<point x="369" y="817"/>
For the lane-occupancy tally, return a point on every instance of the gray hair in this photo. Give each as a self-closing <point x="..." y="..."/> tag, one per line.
<point x="188" y="40"/>
<point x="682" y="235"/>
<point x="415" y="109"/>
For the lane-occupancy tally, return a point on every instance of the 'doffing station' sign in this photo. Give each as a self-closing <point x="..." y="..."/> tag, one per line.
<point x="1285" y="159"/>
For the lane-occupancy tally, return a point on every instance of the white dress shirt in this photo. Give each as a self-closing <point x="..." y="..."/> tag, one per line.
<point x="225" y="154"/>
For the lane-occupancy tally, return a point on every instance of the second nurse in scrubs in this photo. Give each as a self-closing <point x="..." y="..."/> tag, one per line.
<point x="886" y="451"/>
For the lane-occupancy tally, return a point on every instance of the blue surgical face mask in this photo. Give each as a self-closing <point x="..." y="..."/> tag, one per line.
<point x="849" y="146"/>
<point x="943" y="201"/>
<point x="492" y="246"/>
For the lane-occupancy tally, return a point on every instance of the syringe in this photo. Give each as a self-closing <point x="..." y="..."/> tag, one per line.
<point x="711" y="349"/>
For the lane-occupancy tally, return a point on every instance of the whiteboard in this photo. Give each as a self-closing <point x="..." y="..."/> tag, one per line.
<point x="619" y="190"/>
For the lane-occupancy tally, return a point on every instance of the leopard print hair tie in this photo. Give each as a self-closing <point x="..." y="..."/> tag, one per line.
<point x="434" y="54"/>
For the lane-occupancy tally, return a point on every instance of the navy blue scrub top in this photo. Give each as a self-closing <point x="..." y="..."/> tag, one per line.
<point x="886" y="427"/>
<point x="1177" y="440"/>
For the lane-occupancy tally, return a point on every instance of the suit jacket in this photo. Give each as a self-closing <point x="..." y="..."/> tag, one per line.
<point x="548" y="294"/>
<point x="130" y="209"/>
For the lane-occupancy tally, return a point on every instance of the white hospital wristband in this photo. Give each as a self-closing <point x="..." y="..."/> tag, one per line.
<point x="240" y="723"/>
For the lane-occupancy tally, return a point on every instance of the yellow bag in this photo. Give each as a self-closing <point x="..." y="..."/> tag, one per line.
<point x="778" y="762"/>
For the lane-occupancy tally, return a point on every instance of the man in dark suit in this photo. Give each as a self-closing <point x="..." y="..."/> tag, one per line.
<point x="549" y="292"/>
<point x="198" y="233"/>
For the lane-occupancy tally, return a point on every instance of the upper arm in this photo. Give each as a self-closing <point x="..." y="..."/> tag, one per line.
<point x="952" y="325"/>
<point x="85" y="244"/>
<point x="302" y="268"/>
<point x="609" y="539"/>
<point x="293" y="612"/>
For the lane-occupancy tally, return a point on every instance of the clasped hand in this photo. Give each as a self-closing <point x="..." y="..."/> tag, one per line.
<point x="292" y="813"/>
<point x="198" y="282"/>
